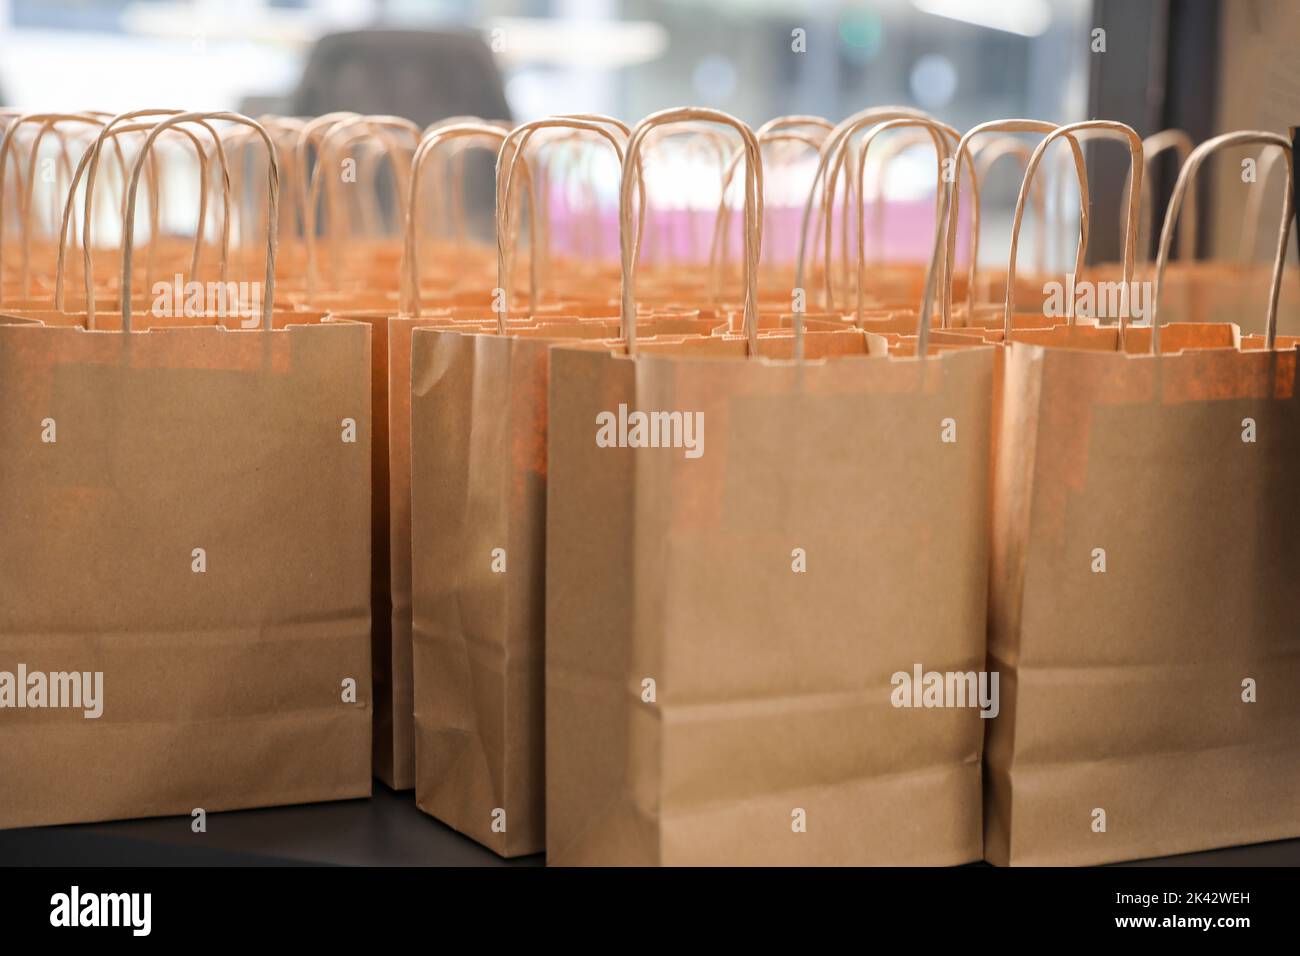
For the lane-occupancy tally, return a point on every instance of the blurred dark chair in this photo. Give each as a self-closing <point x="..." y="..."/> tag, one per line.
<point x="422" y="75"/>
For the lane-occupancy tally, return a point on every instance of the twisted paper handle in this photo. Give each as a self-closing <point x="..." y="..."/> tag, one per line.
<point x="1185" y="177"/>
<point x="430" y="145"/>
<point x="964" y="150"/>
<point x="273" y="203"/>
<point x="513" y="148"/>
<point x="1103" y="128"/>
<point x="753" y="214"/>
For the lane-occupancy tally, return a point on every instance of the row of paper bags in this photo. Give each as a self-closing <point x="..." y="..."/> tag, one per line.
<point x="671" y="570"/>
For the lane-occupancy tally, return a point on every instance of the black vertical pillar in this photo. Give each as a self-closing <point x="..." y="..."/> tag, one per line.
<point x="1159" y="71"/>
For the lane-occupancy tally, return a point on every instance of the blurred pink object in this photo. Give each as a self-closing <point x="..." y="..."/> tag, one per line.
<point x="685" y="235"/>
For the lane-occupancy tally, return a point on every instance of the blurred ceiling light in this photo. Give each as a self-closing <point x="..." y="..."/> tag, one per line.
<point x="598" y="44"/>
<point x="860" y="33"/>
<point x="203" y="21"/>
<point x="933" y="81"/>
<point x="1028" y="18"/>
<point x="549" y="41"/>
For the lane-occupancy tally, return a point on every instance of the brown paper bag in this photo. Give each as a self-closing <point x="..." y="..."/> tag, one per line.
<point x="366" y="306"/>
<point x="393" y="682"/>
<point x="1143" y="548"/>
<point x="186" y="514"/>
<point x="726" y="631"/>
<point x="478" y="507"/>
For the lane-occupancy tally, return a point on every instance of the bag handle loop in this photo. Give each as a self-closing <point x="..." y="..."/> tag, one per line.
<point x="964" y="151"/>
<point x="943" y="137"/>
<point x="835" y="161"/>
<point x="88" y="166"/>
<point x="1254" y="205"/>
<point x="1185" y="177"/>
<point x="515" y="146"/>
<point x="629" y="244"/>
<point x="89" y="163"/>
<point x="833" y="149"/>
<point x="845" y="129"/>
<point x="1108" y="129"/>
<point x="24" y="194"/>
<point x="337" y="136"/>
<point x="273" y="202"/>
<point x="1152" y="147"/>
<point x="987" y="154"/>
<point x="430" y="145"/>
<point x="718" y="252"/>
<point x="25" y="190"/>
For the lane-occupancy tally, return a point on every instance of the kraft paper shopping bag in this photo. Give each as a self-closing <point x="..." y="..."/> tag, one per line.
<point x="477" y="513"/>
<point x="738" y="595"/>
<point x="1144" y="538"/>
<point x="394" y="685"/>
<point x="184" y="590"/>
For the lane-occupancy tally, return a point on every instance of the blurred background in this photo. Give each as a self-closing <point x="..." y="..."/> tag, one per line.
<point x="1200" y="65"/>
<point x="963" y="60"/>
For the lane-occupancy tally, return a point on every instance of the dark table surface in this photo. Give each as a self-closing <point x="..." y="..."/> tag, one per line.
<point x="386" y="830"/>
